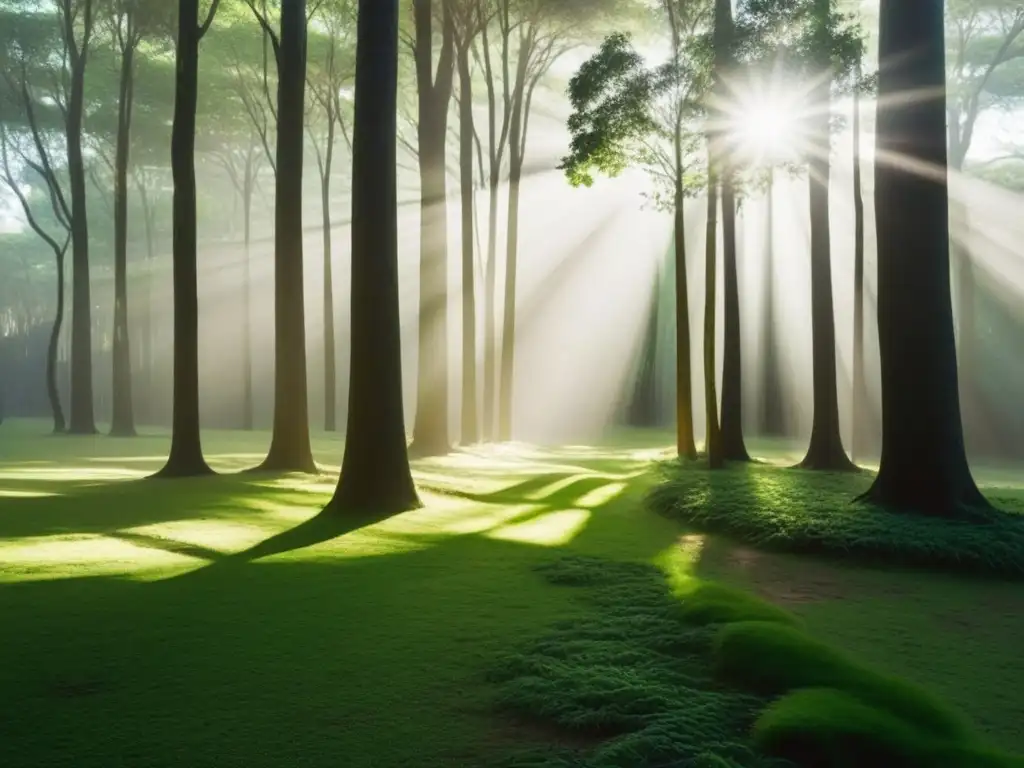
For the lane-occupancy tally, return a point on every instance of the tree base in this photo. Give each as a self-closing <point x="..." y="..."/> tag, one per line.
<point x="179" y="469"/>
<point x="371" y="504"/>
<point x="931" y="500"/>
<point x="828" y="462"/>
<point x="123" y="432"/>
<point x="278" y="465"/>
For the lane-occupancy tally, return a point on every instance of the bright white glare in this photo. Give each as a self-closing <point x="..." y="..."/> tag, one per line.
<point x="765" y="123"/>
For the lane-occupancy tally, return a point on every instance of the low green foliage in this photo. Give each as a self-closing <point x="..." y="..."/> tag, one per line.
<point x="651" y="681"/>
<point x="814" y="512"/>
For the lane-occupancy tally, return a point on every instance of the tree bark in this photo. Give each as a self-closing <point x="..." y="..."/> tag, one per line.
<point x="826" y="450"/>
<point x="123" y="418"/>
<point x="857" y="438"/>
<point x="290" y="449"/>
<point x="186" y="457"/>
<point x="733" y="446"/>
<point x="375" y="475"/>
<point x="924" y="465"/>
<point x="713" y="437"/>
<point x="82" y="418"/>
<point x="52" y="389"/>
<point x="430" y="429"/>
<point x="685" y="444"/>
<point x="470" y="425"/>
<point x="248" y="417"/>
<point x="330" y="366"/>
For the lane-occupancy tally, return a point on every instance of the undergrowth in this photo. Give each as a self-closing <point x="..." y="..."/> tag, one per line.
<point x="713" y="678"/>
<point x="813" y="512"/>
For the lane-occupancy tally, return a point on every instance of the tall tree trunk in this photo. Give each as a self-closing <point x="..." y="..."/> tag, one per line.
<point x="430" y="429"/>
<point x="186" y="457"/>
<point x="773" y="416"/>
<point x="713" y="436"/>
<point x="375" y="475"/>
<point x="858" y="425"/>
<point x="52" y="389"/>
<point x="733" y="447"/>
<point x="82" y="418"/>
<point x="826" y="450"/>
<point x="924" y="465"/>
<point x="290" y="449"/>
<point x="685" y="445"/>
<point x="123" y="419"/>
<point x="146" y="356"/>
<point x="470" y="426"/>
<point x="330" y="366"/>
<point x="248" y="417"/>
<point x="491" y="311"/>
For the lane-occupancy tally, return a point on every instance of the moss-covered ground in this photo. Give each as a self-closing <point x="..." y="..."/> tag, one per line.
<point x="216" y="622"/>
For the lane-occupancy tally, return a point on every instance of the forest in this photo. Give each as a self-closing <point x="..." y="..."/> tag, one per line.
<point x="523" y="383"/>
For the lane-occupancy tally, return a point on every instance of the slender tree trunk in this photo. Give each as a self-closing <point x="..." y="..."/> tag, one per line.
<point x="508" y="334"/>
<point x="123" y="419"/>
<point x="290" y="449"/>
<point x="375" y="475"/>
<point x="186" y="458"/>
<point x="773" y="421"/>
<point x="146" y="317"/>
<point x="857" y="441"/>
<point x="713" y="437"/>
<point x="924" y="465"/>
<point x="248" y="417"/>
<point x="330" y="366"/>
<point x="52" y="390"/>
<point x="491" y="312"/>
<point x="430" y="428"/>
<point x="733" y="447"/>
<point x="470" y="426"/>
<point x="826" y="450"/>
<point x="82" y="418"/>
<point x="684" y="387"/>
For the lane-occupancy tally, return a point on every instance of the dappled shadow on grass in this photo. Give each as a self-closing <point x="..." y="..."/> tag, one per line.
<point x="813" y="512"/>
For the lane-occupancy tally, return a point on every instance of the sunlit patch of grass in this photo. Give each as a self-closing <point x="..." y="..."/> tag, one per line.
<point x="813" y="512"/>
<point x="549" y="529"/>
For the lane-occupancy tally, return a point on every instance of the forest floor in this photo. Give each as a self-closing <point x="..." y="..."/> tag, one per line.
<point x="209" y="622"/>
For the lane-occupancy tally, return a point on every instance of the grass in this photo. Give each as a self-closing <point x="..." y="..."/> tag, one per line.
<point x="214" y="622"/>
<point x="635" y="676"/>
<point x="812" y="512"/>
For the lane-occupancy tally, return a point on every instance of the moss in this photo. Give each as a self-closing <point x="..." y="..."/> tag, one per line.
<point x="796" y="510"/>
<point x="773" y="659"/>
<point x="711" y="603"/>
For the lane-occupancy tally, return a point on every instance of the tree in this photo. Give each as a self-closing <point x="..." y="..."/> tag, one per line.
<point x="76" y="20"/>
<point x="290" y="448"/>
<point x="859" y="382"/>
<point x="819" y="46"/>
<point x="186" y="456"/>
<point x="625" y="113"/>
<point x="42" y="165"/>
<point x="435" y="88"/>
<point x="129" y="21"/>
<point x="375" y="475"/>
<point x="469" y="18"/>
<point x="924" y="464"/>
<point x="326" y="79"/>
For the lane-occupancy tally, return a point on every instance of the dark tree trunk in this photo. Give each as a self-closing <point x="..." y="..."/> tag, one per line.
<point x="123" y="418"/>
<point x="146" y="356"/>
<point x="375" y="475"/>
<point x="290" y="449"/>
<point x="248" y="419"/>
<point x="859" y="421"/>
<point x="773" y="411"/>
<point x="52" y="390"/>
<point x="733" y="447"/>
<point x="186" y="458"/>
<point x="924" y="465"/>
<point x="470" y="425"/>
<point x="826" y="450"/>
<point x="430" y="429"/>
<point x="82" y="419"/>
<point x="713" y="436"/>
<point x="684" y="385"/>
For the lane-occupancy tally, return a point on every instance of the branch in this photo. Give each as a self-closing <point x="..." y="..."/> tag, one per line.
<point x="267" y="29"/>
<point x="205" y="26"/>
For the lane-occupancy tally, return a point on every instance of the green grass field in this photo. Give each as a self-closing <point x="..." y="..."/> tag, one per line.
<point x="209" y="622"/>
